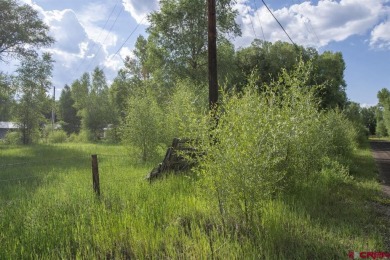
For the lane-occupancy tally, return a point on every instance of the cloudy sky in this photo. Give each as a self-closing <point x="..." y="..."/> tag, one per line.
<point x="102" y="32"/>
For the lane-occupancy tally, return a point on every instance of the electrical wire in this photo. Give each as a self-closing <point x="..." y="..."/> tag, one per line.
<point x="109" y="31"/>
<point x="258" y="17"/>
<point x="253" y="28"/>
<point x="309" y="27"/>
<point x="281" y="26"/>
<point x="123" y="44"/>
<point x="101" y="31"/>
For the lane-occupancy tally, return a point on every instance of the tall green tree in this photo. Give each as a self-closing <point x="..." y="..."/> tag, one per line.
<point x="269" y="59"/>
<point x="383" y="112"/>
<point x="21" y="30"/>
<point x="67" y="112"/>
<point x="99" y="112"/>
<point x="7" y="102"/>
<point x="381" y="129"/>
<point x="329" y="71"/>
<point x="369" y="118"/>
<point x="179" y="35"/>
<point x="93" y="104"/>
<point x="80" y="89"/>
<point x="133" y="76"/>
<point x="33" y="81"/>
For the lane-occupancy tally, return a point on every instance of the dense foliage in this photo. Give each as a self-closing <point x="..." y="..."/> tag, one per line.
<point x="279" y="173"/>
<point x="22" y="31"/>
<point x="383" y="112"/>
<point x="33" y="83"/>
<point x="71" y="123"/>
<point x="264" y="142"/>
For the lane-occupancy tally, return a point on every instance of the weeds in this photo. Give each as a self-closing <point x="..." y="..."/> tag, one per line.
<point x="55" y="214"/>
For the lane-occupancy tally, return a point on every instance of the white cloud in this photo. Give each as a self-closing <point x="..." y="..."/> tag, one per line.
<point x="140" y="9"/>
<point x="66" y="29"/>
<point x="309" y="24"/>
<point x="80" y="34"/>
<point x="115" y="62"/>
<point x="380" y="36"/>
<point x="81" y="42"/>
<point x="91" y="15"/>
<point x="125" y="51"/>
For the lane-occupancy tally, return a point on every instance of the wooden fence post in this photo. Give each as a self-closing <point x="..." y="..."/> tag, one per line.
<point x="95" y="175"/>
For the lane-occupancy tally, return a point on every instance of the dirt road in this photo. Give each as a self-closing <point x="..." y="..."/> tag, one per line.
<point x="381" y="154"/>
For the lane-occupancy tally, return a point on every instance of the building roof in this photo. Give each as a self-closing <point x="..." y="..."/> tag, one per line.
<point x="8" y="125"/>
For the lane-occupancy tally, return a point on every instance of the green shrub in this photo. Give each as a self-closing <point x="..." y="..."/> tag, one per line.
<point x="381" y="130"/>
<point x="57" y="136"/>
<point x="143" y="125"/>
<point x="339" y="136"/>
<point x="83" y="137"/>
<point x="268" y="142"/>
<point x="112" y="135"/>
<point x="14" y="138"/>
<point x="183" y="111"/>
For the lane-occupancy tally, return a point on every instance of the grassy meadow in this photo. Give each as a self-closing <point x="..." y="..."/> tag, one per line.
<point x="48" y="210"/>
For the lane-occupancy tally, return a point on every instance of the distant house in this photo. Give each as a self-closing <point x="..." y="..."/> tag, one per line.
<point x="6" y="127"/>
<point x="106" y="130"/>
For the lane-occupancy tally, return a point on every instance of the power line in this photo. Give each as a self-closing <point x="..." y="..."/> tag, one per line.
<point x="253" y="28"/>
<point x="258" y="17"/>
<point x="101" y="31"/>
<point x="312" y="28"/>
<point x="109" y="31"/>
<point x="281" y="26"/>
<point x="309" y="27"/>
<point x="123" y="44"/>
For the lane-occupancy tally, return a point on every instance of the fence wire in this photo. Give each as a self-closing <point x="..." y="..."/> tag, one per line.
<point x="77" y="160"/>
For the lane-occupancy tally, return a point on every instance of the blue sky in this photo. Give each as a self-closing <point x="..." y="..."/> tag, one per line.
<point x="360" y="29"/>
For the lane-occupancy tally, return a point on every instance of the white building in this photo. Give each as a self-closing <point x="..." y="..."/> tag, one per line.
<point x="6" y="127"/>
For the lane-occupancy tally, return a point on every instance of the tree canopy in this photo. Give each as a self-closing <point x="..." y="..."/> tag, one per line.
<point x="179" y="35"/>
<point x="33" y="82"/>
<point x="21" y="30"/>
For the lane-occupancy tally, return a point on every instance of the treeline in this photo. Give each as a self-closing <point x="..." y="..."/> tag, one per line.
<point x="174" y="54"/>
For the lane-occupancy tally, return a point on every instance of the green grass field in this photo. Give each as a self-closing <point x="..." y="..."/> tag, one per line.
<point x="48" y="211"/>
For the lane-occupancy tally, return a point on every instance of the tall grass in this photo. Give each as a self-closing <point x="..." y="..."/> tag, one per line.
<point x="55" y="214"/>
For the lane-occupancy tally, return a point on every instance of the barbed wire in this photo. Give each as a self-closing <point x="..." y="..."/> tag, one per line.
<point x="61" y="159"/>
<point x="105" y="167"/>
<point x="18" y="179"/>
<point x="39" y="162"/>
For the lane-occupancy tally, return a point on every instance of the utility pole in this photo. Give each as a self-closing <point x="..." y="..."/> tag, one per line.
<point x="212" y="52"/>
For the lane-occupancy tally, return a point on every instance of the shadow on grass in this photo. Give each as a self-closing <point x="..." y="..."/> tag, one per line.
<point x="342" y="208"/>
<point x="23" y="168"/>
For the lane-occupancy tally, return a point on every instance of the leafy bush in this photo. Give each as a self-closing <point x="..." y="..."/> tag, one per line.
<point x="261" y="142"/>
<point x="83" y="137"/>
<point x="144" y="123"/>
<point x="339" y="136"/>
<point x="266" y="142"/>
<point x="112" y="134"/>
<point x="381" y="130"/>
<point x="57" y="136"/>
<point x="14" y="138"/>
<point x="184" y="111"/>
